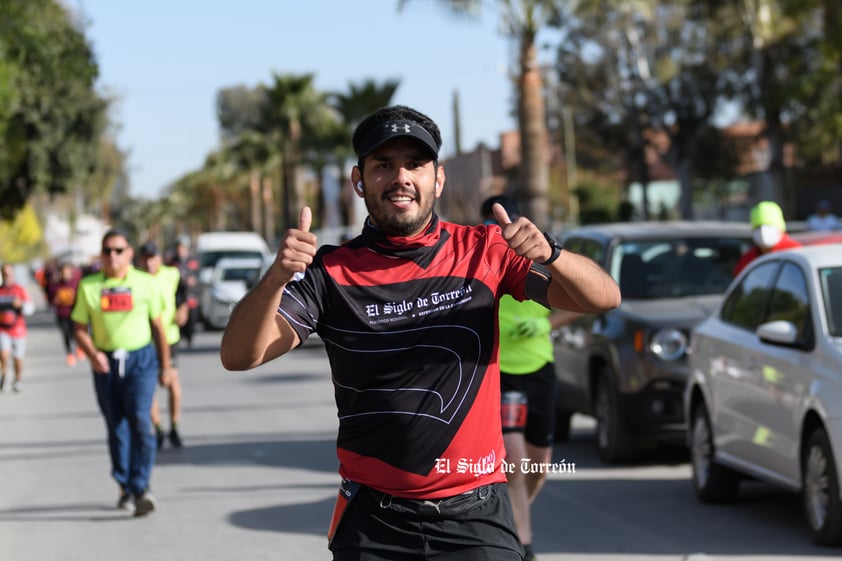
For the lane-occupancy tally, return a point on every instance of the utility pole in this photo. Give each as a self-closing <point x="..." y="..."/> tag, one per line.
<point x="572" y="178"/>
<point x="457" y="124"/>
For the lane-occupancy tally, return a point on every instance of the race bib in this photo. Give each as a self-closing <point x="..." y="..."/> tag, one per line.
<point x="8" y="318"/>
<point x="514" y="409"/>
<point x="65" y="296"/>
<point x="116" y="299"/>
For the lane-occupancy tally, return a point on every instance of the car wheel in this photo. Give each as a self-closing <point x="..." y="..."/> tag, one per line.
<point x="562" y="425"/>
<point x="612" y="439"/>
<point x="820" y="490"/>
<point x="712" y="481"/>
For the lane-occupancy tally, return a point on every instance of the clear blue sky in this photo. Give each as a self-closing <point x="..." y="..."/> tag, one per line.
<point x="165" y="60"/>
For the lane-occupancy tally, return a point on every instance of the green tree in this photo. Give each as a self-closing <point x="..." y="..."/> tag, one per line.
<point x="777" y="57"/>
<point x="21" y="238"/>
<point x="52" y="115"/>
<point x="817" y="130"/>
<point x="649" y="66"/>
<point x="789" y="67"/>
<point x="109" y="171"/>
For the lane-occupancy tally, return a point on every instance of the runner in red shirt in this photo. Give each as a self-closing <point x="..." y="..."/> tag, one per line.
<point x="61" y="293"/>
<point x="408" y="315"/>
<point x="14" y="305"/>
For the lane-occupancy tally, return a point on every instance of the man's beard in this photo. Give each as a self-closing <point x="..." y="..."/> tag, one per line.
<point x="399" y="225"/>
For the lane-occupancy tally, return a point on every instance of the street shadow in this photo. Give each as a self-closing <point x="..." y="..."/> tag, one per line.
<point x="311" y="454"/>
<point x="662" y="517"/>
<point x="253" y="407"/>
<point x="199" y="349"/>
<point x="581" y="448"/>
<point x="78" y="512"/>
<point x="316" y="453"/>
<point x="281" y="378"/>
<point x="305" y="518"/>
<point x="39" y="416"/>
<point x="50" y="449"/>
<point x="655" y="511"/>
<point x="214" y="350"/>
<point x="42" y="320"/>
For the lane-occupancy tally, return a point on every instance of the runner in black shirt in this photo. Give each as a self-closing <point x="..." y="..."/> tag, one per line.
<point x="407" y="311"/>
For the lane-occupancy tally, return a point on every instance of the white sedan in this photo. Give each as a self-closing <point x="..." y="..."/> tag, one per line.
<point x="229" y="281"/>
<point x="765" y="396"/>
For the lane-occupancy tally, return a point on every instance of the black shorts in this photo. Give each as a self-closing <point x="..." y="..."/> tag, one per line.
<point x="539" y="389"/>
<point x="474" y="526"/>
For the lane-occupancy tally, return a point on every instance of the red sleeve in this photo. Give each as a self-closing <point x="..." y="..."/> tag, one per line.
<point x="786" y="243"/>
<point x="747" y="258"/>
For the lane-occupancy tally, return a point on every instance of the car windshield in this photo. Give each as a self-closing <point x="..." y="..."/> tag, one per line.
<point x="246" y="274"/>
<point x="210" y="258"/>
<point x="831" y="281"/>
<point x="653" y="269"/>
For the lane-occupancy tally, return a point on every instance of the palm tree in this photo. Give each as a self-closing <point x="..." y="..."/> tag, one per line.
<point x="293" y="110"/>
<point x="255" y="150"/>
<point x="362" y="99"/>
<point x="110" y="165"/>
<point x="183" y="210"/>
<point x="353" y="106"/>
<point x="521" y="20"/>
<point x="209" y="190"/>
<point x="320" y="152"/>
<point x="249" y="152"/>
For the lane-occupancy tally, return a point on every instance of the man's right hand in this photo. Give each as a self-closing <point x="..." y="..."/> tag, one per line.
<point x="297" y="248"/>
<point x="99" y="363"/>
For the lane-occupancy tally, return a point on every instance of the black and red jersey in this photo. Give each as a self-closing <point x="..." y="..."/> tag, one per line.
<point x="410" y="329"/>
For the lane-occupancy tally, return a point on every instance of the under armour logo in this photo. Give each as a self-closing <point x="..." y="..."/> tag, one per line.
<point x="405" y="127"/>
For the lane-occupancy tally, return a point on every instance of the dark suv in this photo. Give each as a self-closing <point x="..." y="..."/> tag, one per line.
<point x="628" y="367"/>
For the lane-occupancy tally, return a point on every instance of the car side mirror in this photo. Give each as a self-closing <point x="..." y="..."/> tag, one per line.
<point x="778" y="332"/>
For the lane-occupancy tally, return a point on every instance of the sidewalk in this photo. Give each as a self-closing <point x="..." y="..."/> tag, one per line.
<point x="256" y="479"/>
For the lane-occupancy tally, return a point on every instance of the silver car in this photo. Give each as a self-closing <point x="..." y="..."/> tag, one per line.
<point x="765" y="396"/>
<point x="229" y="281"/>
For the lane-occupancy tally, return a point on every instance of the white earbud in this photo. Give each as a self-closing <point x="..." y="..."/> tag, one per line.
<point x="438" y="186"/>
<point x="360" y="186"/>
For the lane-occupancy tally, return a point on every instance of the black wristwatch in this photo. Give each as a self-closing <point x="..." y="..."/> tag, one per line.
<point x="555" y="246"/>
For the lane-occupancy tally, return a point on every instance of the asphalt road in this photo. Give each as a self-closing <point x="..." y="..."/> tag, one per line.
<point x="257" y="478"/>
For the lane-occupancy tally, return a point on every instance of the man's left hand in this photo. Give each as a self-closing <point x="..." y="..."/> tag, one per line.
<point x="522" y="235"/>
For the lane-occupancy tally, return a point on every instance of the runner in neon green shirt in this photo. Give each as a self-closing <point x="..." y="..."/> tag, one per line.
<point x="119" y="310"/>
<point x="121" y="306"/>
<point x="173" y="298"/>
<point x="528" y="391"/>
<point x="525" y="344"/>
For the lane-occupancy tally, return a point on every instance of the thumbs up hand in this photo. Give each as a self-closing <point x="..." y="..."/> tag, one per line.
<point x="298" y="247"/>
<point x="522" y="235"/>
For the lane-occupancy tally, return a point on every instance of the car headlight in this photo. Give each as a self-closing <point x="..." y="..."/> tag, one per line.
<point x="668" y="344"/>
